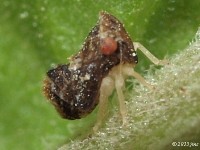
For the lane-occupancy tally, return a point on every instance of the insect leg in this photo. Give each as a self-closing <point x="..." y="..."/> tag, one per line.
<point x="119" y="84"/>
<point x="106" y="90"/>
<point x="128" y="70"/>
<point x="142" y="80"/>
<point x="155" y="60"/>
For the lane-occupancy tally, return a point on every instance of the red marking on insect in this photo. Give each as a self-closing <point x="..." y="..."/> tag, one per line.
<point x="108" y="46"/>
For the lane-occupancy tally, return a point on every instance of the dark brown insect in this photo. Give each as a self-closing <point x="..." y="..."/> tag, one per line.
<point x="106" y="58"/>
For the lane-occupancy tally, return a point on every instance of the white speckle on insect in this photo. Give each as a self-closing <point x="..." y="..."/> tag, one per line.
<point x="86" y="77"/>
<point x="75" y="64"/>
<point x="134" y="54"/>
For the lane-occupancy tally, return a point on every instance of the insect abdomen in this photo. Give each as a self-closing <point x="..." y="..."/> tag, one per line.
<point x="74" y="93"/>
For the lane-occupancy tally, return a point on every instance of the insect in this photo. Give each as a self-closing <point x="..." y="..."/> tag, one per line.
<point x="107" y="57"/>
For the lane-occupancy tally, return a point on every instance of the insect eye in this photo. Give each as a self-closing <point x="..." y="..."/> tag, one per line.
<point x="108" y="46"/>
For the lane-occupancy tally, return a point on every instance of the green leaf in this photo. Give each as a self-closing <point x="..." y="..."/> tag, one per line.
<point x="36" y="34"/>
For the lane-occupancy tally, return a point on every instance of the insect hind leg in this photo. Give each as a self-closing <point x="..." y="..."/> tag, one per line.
<point x="151" y="57"/>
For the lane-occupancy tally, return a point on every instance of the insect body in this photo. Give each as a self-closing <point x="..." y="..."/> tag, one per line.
<point x="106" y="58"/>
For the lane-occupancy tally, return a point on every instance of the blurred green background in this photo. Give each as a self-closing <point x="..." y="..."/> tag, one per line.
<point x="37" y="34"/>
